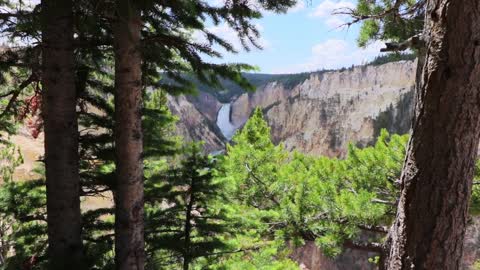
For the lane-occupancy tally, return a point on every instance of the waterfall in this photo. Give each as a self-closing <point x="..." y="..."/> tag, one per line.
<point x="223" y="121"/>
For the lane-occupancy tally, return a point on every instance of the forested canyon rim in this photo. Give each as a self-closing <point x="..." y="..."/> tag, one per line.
<point x="332" y="109"/>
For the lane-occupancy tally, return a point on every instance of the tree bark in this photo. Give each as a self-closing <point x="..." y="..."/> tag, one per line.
<point x="429" y="229"/>
<point x="129" y="202"/>
<point x="61" y="136"/>
<point x="188" y="224"/>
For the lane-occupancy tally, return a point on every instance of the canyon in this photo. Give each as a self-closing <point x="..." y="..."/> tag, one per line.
<point x="320" y="114"/>
<point x="317" y="113"/>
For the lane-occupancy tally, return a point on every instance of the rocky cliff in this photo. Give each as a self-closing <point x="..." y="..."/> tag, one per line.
<point x="324" y="113"/>
<point x="197" y="123"/>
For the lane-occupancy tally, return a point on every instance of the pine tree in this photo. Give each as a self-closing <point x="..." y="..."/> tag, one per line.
<point x="332" y="202"/>
<point x="129" y="210"/>
<point x="155" y="25"/>
<point x="421" y="237"/>
<point x="187" y="221"/>
<point x="61" y="136"/>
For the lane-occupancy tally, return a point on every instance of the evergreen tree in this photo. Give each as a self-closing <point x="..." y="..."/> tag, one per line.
<point x="254" y="162"/>
<point x="61" y="136"/>
<point x="330" y="201"/>
<point x="422" y="237"/>
<point x="157" y="24"/>
<point x="128" y="134"/>
<point x="187" y="221"/>
<point x="166" y="49"/>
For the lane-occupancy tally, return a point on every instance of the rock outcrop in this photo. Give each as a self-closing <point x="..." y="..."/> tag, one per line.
<point x="207" y="104"/>
<point x="272" y="93"/>
<point x="193" y="125"/>
<point x="327" y="111"/>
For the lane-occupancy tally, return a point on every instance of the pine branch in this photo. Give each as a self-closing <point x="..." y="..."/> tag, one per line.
<point x="17" y="92"/>
<point x="373" y="228"/>
<point x="258" y="180"/>
<point x="20" y="14"/>
<point x="415" y="42"/>
<point x="8" y="94"/>
<point x="99" y="240"/>
<point x="369" y="246"/>
<point x="394" y="10"/>
<point x="233" y="251"/>
<point x="383" y="202"/>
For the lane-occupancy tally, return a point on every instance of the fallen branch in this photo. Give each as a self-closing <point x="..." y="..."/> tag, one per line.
<point x="373" y="228"/>
<point x="383" y="202"/>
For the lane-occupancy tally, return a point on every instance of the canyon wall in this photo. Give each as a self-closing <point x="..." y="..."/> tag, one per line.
<point x="321" y="115"/>
<point x="196" y="123"/>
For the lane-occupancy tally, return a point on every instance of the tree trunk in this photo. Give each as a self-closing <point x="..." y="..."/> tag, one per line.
<point x="429" y="229"/>
<point x="188" y="224"/>
<point x="61" y="136"/>
<point x="129" y="204"/>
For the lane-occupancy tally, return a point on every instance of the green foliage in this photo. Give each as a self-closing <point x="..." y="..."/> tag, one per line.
<point x="388" y="20"/>
<point x="10" y="158"/>
<point x="23" y="223"/>
<point x="185" y="216"/>
<point x="476" y="265"/>
<point x="22" y="213"/>
<point x="254" y="162"/>
<point x="326" y="200"/>
<point x="475" y="200"/>
<point x="334" y="202"/>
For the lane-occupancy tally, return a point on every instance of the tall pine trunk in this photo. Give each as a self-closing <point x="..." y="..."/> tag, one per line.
<point x="61" y="136"/>
<point x="129" y="204"/>
<point x="429" y="229"/>
<point x="187" y="249"/>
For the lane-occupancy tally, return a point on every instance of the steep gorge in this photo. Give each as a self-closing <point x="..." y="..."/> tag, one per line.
<point x="317" y="113"/>
<point x="321" y="115"/>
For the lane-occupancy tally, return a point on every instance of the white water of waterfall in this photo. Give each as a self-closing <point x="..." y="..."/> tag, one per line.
<point x="223" y="121"/>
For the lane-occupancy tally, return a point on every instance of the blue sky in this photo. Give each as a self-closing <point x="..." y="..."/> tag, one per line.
<point x="307" y="38"/>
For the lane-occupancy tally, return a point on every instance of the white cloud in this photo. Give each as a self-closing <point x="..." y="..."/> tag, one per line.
<point x="326" y="9"/>
<point x="334" y="54"/>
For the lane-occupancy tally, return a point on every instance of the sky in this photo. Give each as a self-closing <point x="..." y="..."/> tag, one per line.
<point x="306" y="38"/>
